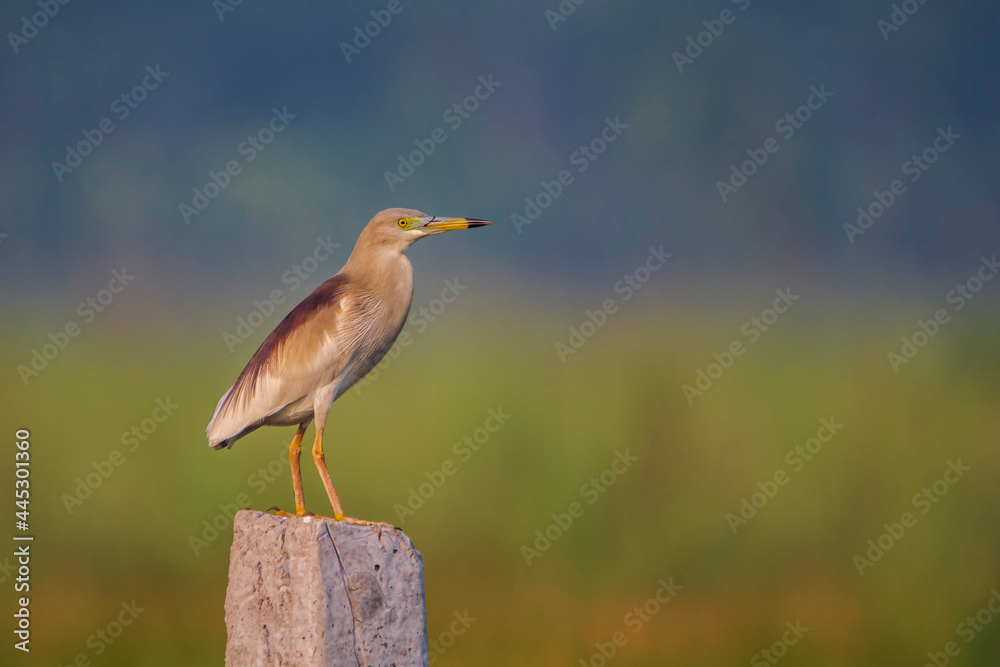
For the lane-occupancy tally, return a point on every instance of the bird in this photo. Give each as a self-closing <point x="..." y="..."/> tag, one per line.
<point x="329" y="341"/>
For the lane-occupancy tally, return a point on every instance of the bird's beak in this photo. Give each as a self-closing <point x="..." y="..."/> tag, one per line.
<point x="437" y="225"/>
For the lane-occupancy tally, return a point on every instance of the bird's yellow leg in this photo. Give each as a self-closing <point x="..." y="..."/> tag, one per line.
<point x="294" y="452"/>
<point x="338" y="510"/>
<point x="320" y="460"/>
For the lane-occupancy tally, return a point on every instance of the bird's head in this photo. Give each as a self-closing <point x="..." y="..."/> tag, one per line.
<point x="398" y="228"/>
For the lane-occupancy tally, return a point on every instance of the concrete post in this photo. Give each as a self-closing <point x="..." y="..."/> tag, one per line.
<point x="317" y="592"/>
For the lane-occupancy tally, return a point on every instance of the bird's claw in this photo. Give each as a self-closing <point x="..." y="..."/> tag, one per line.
<point x="342" y="518"/>
<point x="282" y="513"/>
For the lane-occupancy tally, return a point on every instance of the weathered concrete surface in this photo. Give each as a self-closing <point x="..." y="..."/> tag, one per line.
<point x="309" y="592"/>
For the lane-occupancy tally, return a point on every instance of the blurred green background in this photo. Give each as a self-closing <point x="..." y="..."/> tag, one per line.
<point x="145" y="533"/>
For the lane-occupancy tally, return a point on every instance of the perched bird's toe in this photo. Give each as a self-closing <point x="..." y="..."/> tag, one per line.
<point x="278" y="512"/>
<point x="361" y="522"/>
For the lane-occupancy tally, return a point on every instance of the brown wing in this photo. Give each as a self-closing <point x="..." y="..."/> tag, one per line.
<point x="306" y="351"/>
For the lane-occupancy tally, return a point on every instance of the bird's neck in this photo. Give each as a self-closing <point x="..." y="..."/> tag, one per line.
<point x="381" y="270"/>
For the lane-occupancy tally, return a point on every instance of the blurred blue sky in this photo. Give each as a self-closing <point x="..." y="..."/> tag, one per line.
<point x="657" y="183"/>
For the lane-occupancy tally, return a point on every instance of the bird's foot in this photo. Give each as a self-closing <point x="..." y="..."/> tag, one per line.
<point x="282" y="513"/>
<point x="342" y="517"/>
<point x="363" y="522"/>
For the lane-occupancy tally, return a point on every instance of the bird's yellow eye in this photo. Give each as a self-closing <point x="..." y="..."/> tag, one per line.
<point x="401" y="222"/>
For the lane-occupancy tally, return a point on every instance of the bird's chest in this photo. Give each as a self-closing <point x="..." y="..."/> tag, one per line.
<point x="389" y="308"/>
<point x="381" y="317"/>
<point x="402" y="290"/>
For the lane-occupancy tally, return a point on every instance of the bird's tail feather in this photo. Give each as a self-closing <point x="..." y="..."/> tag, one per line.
<point x="222" y="444"/>
<point x="217" y="439"/>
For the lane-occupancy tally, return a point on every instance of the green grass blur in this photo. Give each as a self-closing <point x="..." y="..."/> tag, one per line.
<point x="664" y="517"/>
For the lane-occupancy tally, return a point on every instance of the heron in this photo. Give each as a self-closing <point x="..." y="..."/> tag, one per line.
<point x="332" y="339"/>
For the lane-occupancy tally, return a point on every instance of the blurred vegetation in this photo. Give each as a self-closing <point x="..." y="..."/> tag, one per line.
<point x="663" y="518"/>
